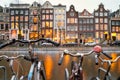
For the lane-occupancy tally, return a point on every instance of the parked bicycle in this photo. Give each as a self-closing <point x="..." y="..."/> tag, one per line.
<point x="107" y="75"/>
<point x="37" y="67"/>
<point x="4" y="70"/>
<point x="76" y="68"/>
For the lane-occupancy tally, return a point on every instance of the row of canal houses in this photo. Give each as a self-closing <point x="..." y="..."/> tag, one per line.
<point x="30" y="22"/>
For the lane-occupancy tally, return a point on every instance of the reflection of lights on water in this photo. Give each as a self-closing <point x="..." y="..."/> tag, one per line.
<point x="113" y="66"/>
<point x="48" y="66"/>
<point x="66" y="60"/>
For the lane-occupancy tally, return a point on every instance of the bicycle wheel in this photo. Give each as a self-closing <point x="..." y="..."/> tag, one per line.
<point x="66" y="74"/>
<point x="39" y="72"/>
<point x="78" y="75"/>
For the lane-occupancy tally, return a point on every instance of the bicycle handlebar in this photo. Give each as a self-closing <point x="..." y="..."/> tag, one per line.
<point x="66" y="52"/>
<point x="26" y="41"/>
<point x="11" y="58"/>
<point x="106" y="55"/>
<point x="112" y="61"/>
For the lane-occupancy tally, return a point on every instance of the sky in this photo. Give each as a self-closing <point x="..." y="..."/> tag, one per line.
<point x="79" y="5"/>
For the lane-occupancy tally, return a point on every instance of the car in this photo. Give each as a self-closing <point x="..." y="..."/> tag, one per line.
<point x="90" y="43"/>
<point x="115" y="43"/>
<point x="46" y="44"/>
<point x="70" y="44"/>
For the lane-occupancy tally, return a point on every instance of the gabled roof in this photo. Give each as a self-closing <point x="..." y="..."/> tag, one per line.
<point x="47" y="4"/>
<point x="85" y="13"/>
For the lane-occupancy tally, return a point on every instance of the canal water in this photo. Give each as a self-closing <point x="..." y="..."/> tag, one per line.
<point x="56" y="72"/>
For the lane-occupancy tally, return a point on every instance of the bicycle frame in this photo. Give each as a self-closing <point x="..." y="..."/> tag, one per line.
<point x="4" y="69"/>
<point x="107" y="75"/>
<point x="77" y="71"/>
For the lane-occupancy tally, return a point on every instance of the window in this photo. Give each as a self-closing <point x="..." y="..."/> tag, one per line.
<point x="101" y="14"/>
<point x="26" y="18"/>
<point x="72" y="20"/>
<point x="16" y="11"/>
<point x="47" y="11"/>
<point x="21" y="18"/>
<point x="117" y="29"/>
<point x="6" y="26"/>
<point x="35" y="12"/>
<point x="113" y="29"/>
<point x="101" y="27"/>
<point x="88" y="21"/>
<point x="96" y="13"/>
<point x="105" y="14"/>
<point x="97" y="27"/>
<point x="47" y="17"/>
<point x="97" y="34"/>
<point x="43" y="24"/>
<point x="43" y="11"/>
<point x="21" y="12"/>
<point x="12" y="12"/>
<point x="91" y="20"/>
<point x="101" y="20"/>
<point x="51" y="17"/>
<point x="2" y="26"/>
<point x="51" y="24"/>
<point x="101" y="34"/>
<point x="96" y="20"/>
<point x="26" y="12"/>
<point x="113" y="22"/>
<point x="105" y="27"/>
<point x="51" y="11"/>
<point x="105" y="20"/>
<point x="12" y="18"/>
<point x="76" y="20"/>
<point x="16" y="18"/>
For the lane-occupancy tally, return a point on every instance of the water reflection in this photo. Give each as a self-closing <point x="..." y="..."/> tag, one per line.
<point x="56" y="72"/>
<point x="48" y="66"/>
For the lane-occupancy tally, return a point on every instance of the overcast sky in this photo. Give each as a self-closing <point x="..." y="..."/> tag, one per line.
<point x="90" y="5"/>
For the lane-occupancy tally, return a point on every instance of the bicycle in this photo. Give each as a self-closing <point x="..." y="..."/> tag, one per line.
<point x="37" y="67"/>
<point x="4" y="69"/>
<point x="77" y="70"/>
<point x="107" y="75"/>
<point x="11" y="60"/>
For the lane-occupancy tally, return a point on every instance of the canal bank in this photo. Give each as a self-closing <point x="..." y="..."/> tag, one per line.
<point x="80" y="49"/>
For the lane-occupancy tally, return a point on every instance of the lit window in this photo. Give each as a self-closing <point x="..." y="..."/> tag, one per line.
<point x="26" y="18"/>
<point x="12" y="18"/>
<point x="43" y="17"/>
<point x="101" y="20"/>
<point x="101" y="34"/>
<point x="97" y="27"/>
<point x="43" y="24"/>
<point x="16" y="18"/>
<point x="113" y="29"/>
<point x="117" y="29"/>
<point x="101" y="27"/>
<point x="51" y="24"/>
<point x="72" y="20"/>
<point x="105" y="27"/>
<point x="47" y="17"/>
<point x="21" y="18"/>
<point x="97" y="34"/>
<point x="35" y="12"/>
